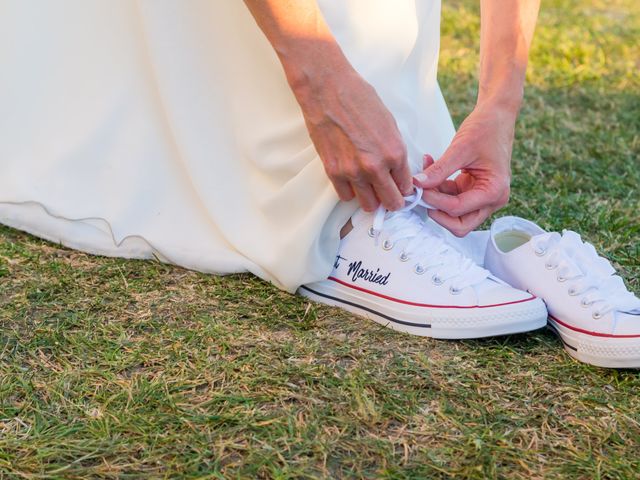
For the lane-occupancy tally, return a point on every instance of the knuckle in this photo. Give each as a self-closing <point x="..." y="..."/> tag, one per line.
<point x="504" y="185"/>
<point x="332" y="170"/>
<point x="501" y="194"/>
<point x="352" y="173"/>
<point x="369" y="205"/>
<point x="497" y="189"/>
<point x="370" y="167"/>
<point x="504" y="199"/>
<point x="456" y="211"/>
<point x="456" y="208"/>
<point x="459" y="231"/>
<point x="345" y="194"/>
<point x="395" y="152"/>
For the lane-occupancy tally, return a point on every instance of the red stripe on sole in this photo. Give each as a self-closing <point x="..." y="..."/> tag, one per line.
<point x="405" y="302"/>
<point x="587" y="332"/>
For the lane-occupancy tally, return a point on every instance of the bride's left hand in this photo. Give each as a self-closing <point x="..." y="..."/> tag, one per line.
<point x="481" y="150"/>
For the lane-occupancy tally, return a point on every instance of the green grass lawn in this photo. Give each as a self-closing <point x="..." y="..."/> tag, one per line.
<point x="129" y="369"/>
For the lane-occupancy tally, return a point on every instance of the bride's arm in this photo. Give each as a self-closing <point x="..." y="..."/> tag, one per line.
<point x="353" y="132"/>
<point x="298" y="33"/>
<point x="482" y="146"/>
<point x="506" y="33"/>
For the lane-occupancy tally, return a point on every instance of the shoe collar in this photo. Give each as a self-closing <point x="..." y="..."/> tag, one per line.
<point x="512" y="223"/>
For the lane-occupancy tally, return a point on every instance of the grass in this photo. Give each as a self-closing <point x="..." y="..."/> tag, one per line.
<point x="112" y="368"/>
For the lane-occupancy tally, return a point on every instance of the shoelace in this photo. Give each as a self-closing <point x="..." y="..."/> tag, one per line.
<point x="424" y="245"/>
<point x="591" y="275"/>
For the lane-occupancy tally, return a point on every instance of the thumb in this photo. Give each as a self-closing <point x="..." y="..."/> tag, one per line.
<point x="437" y="173"/>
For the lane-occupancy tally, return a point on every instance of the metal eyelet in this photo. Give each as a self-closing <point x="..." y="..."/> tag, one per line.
<point x="540" y="252"/>
<point x="419" y="269"/>
<point x="387" y="245"/>
<point x="560" y="278"/>
<point x="596" y="315"/>
<point x="572" y="291"/>
<point x="436" y="280"/>
<point x="372" y="232"/>
<point x="454" y="291"/>
<point x="404" y="257"/>
<point x="585" y="303"/>
<point x="550" y="267"/>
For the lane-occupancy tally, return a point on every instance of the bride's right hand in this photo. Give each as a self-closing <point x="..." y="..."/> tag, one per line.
<point x="355" y="135"/>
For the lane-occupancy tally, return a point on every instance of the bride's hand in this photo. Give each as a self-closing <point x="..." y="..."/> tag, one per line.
<point x="481" y="150"/>
<point x="356" y="137"/>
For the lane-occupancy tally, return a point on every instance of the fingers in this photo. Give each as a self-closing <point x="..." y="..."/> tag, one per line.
<point x="458" y="205"/>
<point x="439" y="171"/>
<point x="461" y="226"/>
<point x="343" y="189"/>
<point x="449" y="187"/>
<point x="402" y="178"/>
<point x="427" y="161"/>
<point x="371" y="182"/>
<point x="387" y="191"/>
<point x="365" y="195"/>
<point x="390" y="178"/>
<point x="371" y="190"/>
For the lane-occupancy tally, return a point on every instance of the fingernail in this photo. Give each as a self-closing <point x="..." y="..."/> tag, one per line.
<point x="420" y="177"/>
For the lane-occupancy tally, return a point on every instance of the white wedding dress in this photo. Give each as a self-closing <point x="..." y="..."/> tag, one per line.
<point x="141" y="128"/>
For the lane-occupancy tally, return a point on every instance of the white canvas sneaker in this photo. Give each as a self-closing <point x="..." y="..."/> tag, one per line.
<point x="398" y="270"/>
<point x="597" y="318"/>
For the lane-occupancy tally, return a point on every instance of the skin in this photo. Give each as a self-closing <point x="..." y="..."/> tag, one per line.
<point x="357" y="137"/>
<point x="481" y="149"/>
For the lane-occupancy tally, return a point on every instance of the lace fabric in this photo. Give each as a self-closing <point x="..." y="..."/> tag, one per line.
<point x="425" y="246"/>
<point x="588" y="274"/>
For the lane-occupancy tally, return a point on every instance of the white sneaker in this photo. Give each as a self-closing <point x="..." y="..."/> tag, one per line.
<point x="398" y="270"/>
<point x="597" y="318"/>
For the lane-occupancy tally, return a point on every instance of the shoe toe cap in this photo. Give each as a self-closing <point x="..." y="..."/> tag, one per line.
<point x="491" y="292"/>
<point x="627" y="324"/>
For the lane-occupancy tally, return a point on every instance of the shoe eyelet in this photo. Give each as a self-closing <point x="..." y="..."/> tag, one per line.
<point x="541" y="252"/>
<point x="419" y="269"/>
<point x="549" y="266"/>
<point x="404" y="257"/>
<point x="372" y="232"/>
<point x="387" y="245"/>
<point x="572" y="291"/>
<point x="436" y="280"/>
<point x="561" y="279"/>
<point x="454" y="291"/>
<point x="596" y="315"/>
<point x="585" y="303"/>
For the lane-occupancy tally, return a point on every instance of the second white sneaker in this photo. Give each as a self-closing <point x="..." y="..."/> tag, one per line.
<point x="400" y="271"/>
<point x="597" y="318"/>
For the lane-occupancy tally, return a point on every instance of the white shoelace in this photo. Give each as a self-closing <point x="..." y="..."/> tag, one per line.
<point x="589" y="274"/>
<point x="424" y="246"/>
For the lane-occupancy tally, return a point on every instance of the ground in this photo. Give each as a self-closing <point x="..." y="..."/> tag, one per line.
<point x="130" y="369"/>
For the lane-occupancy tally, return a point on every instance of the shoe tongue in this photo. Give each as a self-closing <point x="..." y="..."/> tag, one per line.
<point x="586" y="254"/>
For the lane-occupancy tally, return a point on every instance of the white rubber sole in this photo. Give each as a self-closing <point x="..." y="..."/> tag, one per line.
<point x="599" y="351"/>
<point x="443" y="323"/>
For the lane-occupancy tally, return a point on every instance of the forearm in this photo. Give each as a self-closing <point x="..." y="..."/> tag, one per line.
<point x="301" y="38"/>
<point x="354" y="134"/>
<point x="506" y="32"/>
